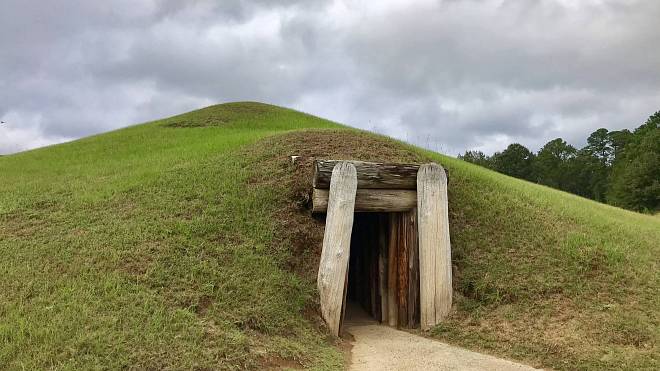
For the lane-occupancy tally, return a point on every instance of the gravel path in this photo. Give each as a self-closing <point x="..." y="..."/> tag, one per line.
<point x="378" y="347"/>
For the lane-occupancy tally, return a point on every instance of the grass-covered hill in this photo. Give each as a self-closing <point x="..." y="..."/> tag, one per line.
<point x="184" y="243"/>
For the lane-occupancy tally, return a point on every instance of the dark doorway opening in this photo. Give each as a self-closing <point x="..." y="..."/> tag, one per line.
<point x="383" y="271"/>
<point x="363" y="294"/>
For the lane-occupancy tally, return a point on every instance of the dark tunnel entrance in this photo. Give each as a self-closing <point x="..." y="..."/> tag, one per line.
<point x="383" y="271"/>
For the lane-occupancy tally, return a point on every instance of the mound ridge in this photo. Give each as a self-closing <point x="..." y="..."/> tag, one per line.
<point x="186" y="243"/>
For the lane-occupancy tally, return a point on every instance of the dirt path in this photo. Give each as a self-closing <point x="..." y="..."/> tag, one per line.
<point x="377" y="347"/>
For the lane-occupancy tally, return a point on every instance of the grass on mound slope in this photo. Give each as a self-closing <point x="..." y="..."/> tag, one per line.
<point x="147" y="248"/>
<point x="167" y="245"/>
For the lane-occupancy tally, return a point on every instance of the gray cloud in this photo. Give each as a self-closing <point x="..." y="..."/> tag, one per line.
<point x="449" y="75"/>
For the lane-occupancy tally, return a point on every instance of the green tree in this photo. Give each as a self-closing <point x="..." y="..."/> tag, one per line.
<point x="589" y="175"/>
<point x="476" y="157"/>
<point x="592" y="165"/>
<point x="619" y="167"/>
<point x="516" y="160"/>
<point x="552" y="166"/>
<point x="618" y="140"/>
<point x="599" y="145"/>
<point x="635" y="178"/>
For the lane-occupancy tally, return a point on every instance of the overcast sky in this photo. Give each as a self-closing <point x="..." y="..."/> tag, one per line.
<point x="451" y="75"/>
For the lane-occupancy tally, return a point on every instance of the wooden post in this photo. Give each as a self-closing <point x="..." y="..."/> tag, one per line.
<point x="383" y="239"/>
<point x="373" y="266"/>
<point x="402" y="257"/>
<point x="333" y="266"/>
<point x="413" y="269"/>
<point x="392" y="302"/>
<point x="434" y="245"/>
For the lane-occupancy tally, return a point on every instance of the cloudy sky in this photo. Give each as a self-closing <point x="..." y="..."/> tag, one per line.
<point x="450" y="75"/>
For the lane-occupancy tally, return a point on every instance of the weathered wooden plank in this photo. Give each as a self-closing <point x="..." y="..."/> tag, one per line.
<point x="413" y="269"/>
<point x="402" y="255"/>
<point x="443" y="287"/>
<point x="333" y="266"/>
<point x="373" y="267"/>
<point x="383" y="253"/>
<point x="370" y="174"/>
<point x="392" y="302"/>
<point x="434" y="245"/>
<point x="370" y="200"/>
<point x="343" y="302"/>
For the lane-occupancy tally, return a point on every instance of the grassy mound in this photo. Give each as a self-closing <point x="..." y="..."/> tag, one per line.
<point x="185" y="243"/>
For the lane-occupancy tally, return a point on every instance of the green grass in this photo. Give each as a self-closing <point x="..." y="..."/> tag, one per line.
<point x="143" y="248"/>
<point x="163" y="246"/>
<point x="552" y="278"/>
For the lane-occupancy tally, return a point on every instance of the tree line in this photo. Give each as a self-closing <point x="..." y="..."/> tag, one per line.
<point x="621" y="167"/>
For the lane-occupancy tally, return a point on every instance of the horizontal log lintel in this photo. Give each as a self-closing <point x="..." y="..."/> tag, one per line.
<point x="371" y="200"/>
<point x="373" y="175"/>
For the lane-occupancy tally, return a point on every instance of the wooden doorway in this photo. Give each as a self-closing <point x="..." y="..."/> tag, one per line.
<point x="383" y="271"/>
<point x="401" y="253"/>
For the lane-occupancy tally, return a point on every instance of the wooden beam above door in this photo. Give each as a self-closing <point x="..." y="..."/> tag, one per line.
<point x="370" y="200"/>
<point x="373" y="175"/>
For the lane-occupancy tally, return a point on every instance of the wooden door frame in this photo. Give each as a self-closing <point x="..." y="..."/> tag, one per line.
<point x="434" y="248"/>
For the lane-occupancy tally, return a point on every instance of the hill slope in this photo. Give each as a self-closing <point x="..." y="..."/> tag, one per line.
<point x="169" y="245"/>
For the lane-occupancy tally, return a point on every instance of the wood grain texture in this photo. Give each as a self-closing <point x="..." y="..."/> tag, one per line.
<point x="434" y="245"/>
<point x="333" y="266"/>
<point x="370" y="174"/>
<point x="383" y="246"/>
<point x="402" y="278"/>
<point x="370" y="200"/>
<point x="392" y="270"/>
<point x="343" y="302"/>
<point x="413" y="269"/>
<point x="372" y="252"/>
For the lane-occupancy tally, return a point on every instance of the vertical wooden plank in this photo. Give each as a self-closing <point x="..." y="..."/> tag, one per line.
<point x="383" y="253"/>
<point x="443" y="288"/>
<point x="375" y="303"/>
<point x="426" y="247"/>
<point x="343" y="304"/>
<point x="373" y="265"/>
<point x="434" y="245"/>
<point x="376" y="263"/>
<point x="413" y="270"/>
<point x="392" y="302"/>
<point x="402" y="278"/>
<point x="333" y="266"/>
